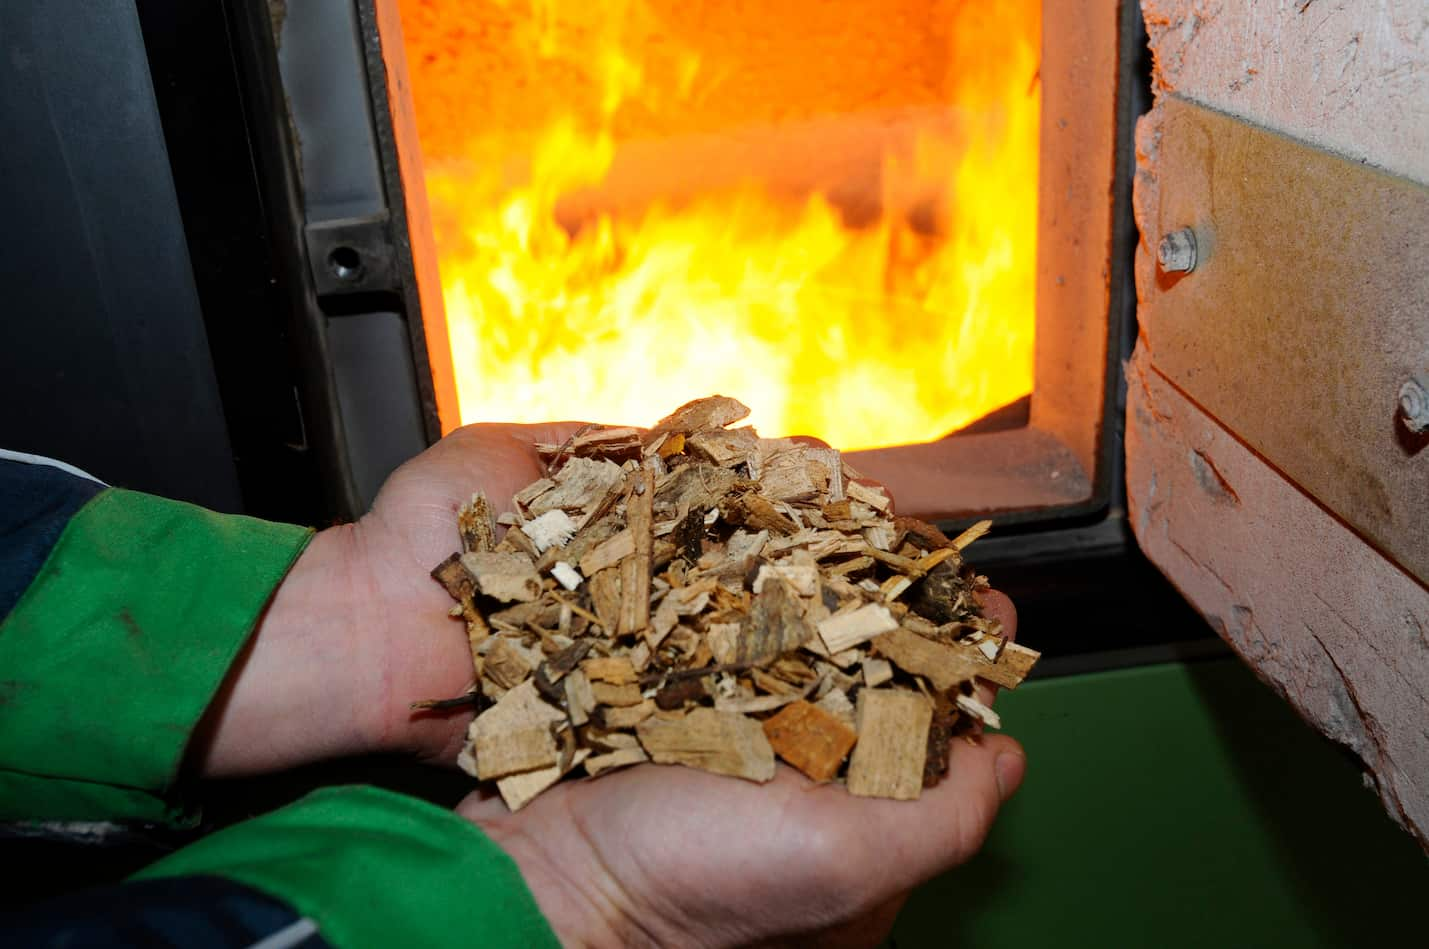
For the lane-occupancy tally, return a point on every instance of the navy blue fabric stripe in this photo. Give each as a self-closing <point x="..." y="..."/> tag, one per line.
<point x="36" y="502"/>
<point x="175" y="911"/>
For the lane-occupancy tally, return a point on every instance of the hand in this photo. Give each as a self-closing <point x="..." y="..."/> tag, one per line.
<point x="358" y="629"/>
<point x="663" y="855"/>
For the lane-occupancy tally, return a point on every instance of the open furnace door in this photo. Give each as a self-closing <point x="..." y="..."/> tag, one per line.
<point x="1277" y="430"/>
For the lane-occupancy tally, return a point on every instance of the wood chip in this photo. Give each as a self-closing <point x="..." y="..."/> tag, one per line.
<point x="892" y="744"/>
<point x="979" y="711"/>
<point x="635" y="569"/>
<point x="475" y="525"/>
<point x="943" y="666"/>
<point x="518" y="790"/>
<point x="702" y="415"/>
<point x="972" y="534"/>
<point x="507" y="577"/>
<point x="775" y="626"/>
<point x="710" y="740"/>
<point x="625" y="717"/>
<point x="596" y="765"/>
<point x="609" y="553"/>
<point x="607" y="693"/>
<point x="516" y="734"/>
<point x="876" y="672"/>
<point x="811" y="739"/>
<point x="616" y="670"/>
<point x="846" y="630"/>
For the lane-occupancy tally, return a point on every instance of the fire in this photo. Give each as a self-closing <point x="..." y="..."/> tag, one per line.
<point x="830" y="215"/>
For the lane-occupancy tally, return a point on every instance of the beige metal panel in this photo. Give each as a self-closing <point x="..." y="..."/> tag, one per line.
<point x="1337" y="629"/>
<point x="1306" y="312"/>
<point x="1344" y="74"/>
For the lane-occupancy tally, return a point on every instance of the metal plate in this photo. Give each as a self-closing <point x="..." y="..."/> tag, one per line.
<point x="1307" y="310"/>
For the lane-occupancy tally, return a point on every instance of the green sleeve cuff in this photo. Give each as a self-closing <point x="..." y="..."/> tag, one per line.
<point x="374" y="868"/>
<point x="110" y="658"/>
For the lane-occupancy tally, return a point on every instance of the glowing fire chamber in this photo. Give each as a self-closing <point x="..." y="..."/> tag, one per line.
<point x="826" y="210"/>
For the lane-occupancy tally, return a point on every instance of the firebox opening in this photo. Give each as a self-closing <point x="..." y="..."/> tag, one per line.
<point x="827" y="211"/>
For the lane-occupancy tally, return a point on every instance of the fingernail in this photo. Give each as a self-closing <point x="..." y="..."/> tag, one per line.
<point x="1009" y="768"/>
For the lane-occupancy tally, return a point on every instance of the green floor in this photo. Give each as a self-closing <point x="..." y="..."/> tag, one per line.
<point x="1177" y="805"/>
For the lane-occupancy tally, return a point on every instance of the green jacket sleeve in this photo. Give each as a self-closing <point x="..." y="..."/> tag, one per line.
<point x="117" y="647"/>
<point x="374" y="868"/>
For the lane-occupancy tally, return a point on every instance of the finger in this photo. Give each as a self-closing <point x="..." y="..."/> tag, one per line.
<point x="996" y="606"/>
<point x="949" y="822"/>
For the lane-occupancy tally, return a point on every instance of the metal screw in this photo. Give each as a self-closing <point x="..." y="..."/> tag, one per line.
<point x="1414" y="404"/>
<point x="1177" y="253"/>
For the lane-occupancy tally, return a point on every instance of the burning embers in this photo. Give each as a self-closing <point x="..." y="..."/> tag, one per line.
<point x="826" y="210"/>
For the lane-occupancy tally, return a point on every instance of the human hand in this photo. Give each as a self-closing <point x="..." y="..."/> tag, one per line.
<point x="358" y="629"/>
<point x="665" y="855"/>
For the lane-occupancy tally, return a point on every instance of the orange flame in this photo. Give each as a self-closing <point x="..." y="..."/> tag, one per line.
<point x="827" y="211"/>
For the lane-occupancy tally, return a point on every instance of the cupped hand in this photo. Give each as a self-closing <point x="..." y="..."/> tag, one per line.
<point x="358" y="629"/>
<point x="667" y="856"/>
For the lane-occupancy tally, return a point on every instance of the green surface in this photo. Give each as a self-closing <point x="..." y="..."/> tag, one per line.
<point x="1177" y="805"/>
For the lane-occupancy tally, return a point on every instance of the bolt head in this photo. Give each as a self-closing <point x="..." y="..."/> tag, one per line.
<point x="1177" y="251"/>
<point x="1414" y="405"/>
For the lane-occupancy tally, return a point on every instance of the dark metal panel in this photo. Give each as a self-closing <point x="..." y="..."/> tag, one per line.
<point x="382" y="431"/>
<point x="1306" y="311"/>
<point x="105" y="357"/>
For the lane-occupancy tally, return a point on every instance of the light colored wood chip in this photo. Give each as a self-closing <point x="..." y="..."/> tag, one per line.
<point x="506" y="664"/>
<point x="879" y="536"/>
<point x="608" y="553"/>
<point x="811" y="739"/>
<point x="516" y="734"/>
<point x="616" y="670"/>
<point x="597" y="765"/>
<point x="604" y="589"/>
<point x="744" y="544"/>
<point x="979" y="711"/>
<point x="476" y="525"/>
<point x="775" y="625"/>
<point x="1012" y="666"/>
<point x="875" y="498"/>
<point x="755" y="704"/>
<point x="579" y="483"/>
<point x="616" y="718"/>
<point x="876" y="672"/>
<point x="518" y="790"/>
<point x="507" y="577"/>
<point x="971" y="534"/>
<point x="710" y="740"/>
<point x="701" y="415"/>
<point x="635" y="570"/>
<point x="725" y="447"/>
<point x="723" y="640"/>
<point x="845" y="630"/>
<point x="607" y="693"/>
<point x="580" y="698"/>
<point x="944" y="666"/>
<point x="892" y="744"/>
<point x="893" y="587"/>
<point x="802" y="576"/>
<point x="532" y="491"/>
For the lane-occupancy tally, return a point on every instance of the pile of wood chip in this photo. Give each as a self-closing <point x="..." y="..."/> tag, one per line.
<point x="695" y="594"/>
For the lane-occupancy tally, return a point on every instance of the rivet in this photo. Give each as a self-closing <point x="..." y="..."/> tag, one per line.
<point x="1177" y="253"/>
<point x="1414" y="404"/>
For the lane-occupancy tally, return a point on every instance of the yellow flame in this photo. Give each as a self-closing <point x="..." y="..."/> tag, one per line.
<point x="623" y="227"/>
